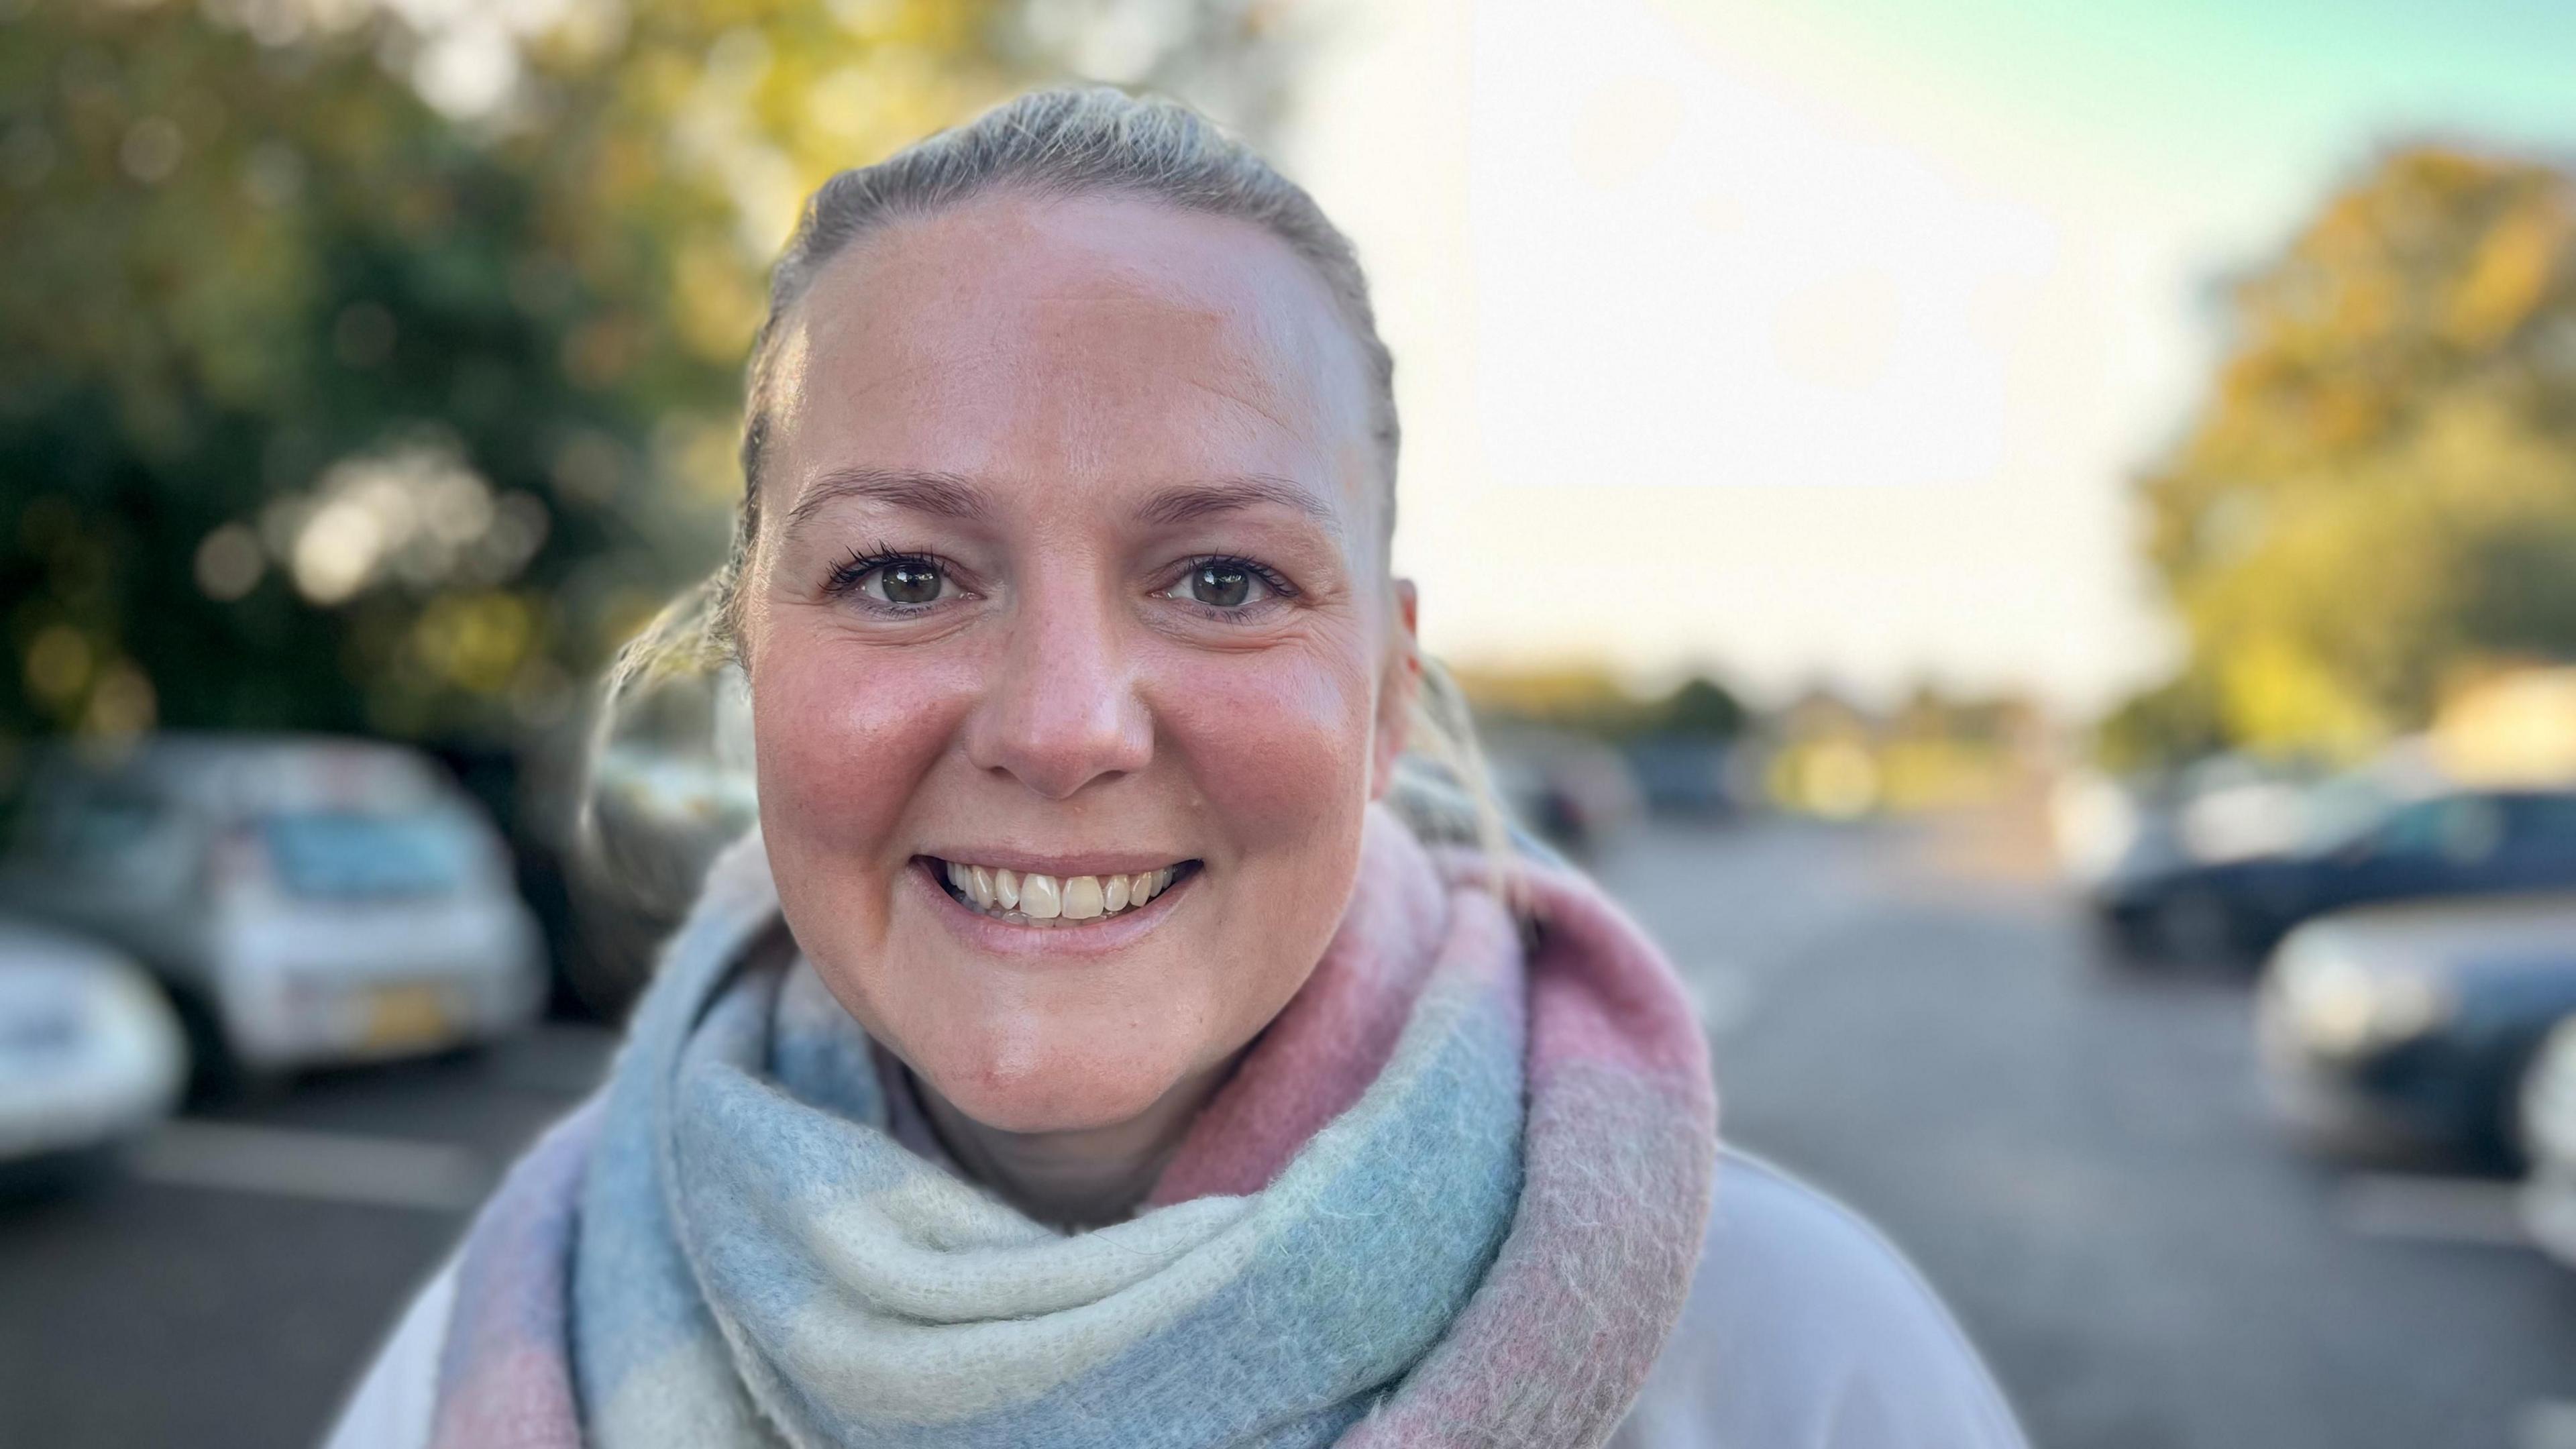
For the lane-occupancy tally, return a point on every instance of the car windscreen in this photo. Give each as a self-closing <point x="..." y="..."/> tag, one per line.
<point x="350" y="855"/>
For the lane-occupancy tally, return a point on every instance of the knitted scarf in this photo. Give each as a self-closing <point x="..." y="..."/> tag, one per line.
<point x="1453" y="1194"/>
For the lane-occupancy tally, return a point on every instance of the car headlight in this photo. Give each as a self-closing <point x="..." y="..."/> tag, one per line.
<point x="2340" y="1008"/>
<point x="2549" y="1100"/>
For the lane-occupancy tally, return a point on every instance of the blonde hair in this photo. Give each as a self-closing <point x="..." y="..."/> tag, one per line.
<point x="1066" y="142"/>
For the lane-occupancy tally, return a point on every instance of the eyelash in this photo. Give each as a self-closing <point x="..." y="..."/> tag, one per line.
<point x="849" y="574"/>
<point x="1280" y="589"/>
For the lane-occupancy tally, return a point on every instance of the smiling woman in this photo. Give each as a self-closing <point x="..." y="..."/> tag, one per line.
<point x="1083" y="1050"/>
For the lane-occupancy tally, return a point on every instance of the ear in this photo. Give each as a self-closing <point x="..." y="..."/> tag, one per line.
<point x="1399" y="685"/>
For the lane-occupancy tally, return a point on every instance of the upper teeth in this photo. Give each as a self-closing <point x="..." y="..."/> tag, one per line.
<point x="1045" y="898"/>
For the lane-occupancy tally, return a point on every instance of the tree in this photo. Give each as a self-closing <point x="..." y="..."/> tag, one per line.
<point x="361" y="377"/>
<point x="1702" y="706"/>
<point x="2380" y="491"/>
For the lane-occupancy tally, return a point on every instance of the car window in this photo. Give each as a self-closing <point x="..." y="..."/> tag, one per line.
<point x="2543" y="823"/>
<point x="109" y="835"/>
<point x="2460" y="828"/>
<point x="349" y="854"/>
<point x="2473" y="827"/>
<point x="2414" y="830"/>
<point x="101" y="831"/>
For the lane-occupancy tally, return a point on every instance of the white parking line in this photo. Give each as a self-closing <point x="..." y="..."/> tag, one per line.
<point x="323" y="1166"/>
<point x="2471" y="1210"/>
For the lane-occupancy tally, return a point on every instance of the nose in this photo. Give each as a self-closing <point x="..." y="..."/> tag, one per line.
<point x="1062" y="709"/>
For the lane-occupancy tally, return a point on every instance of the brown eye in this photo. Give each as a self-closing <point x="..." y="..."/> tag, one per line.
<point x="1221" y="585"/>
<point x="908" y="582"/>
<point x="911" y="582"/>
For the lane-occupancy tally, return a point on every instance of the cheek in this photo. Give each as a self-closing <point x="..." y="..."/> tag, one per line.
<point x="842" y="736"/>
<point x="1276" y="746"/>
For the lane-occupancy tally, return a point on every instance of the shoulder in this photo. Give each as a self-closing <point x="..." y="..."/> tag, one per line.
<point x="1806" y="1329"/>
<point x="391" y="1407"/>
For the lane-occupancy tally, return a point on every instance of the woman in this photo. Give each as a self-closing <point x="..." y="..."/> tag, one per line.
<point x="1084" y="1050"/>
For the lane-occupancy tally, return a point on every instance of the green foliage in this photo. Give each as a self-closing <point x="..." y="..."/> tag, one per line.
<point x="324" y="407"/>
<point x="2176" y="720"/>
<point x="238" y="282"/>
<point x="2380" y="493"/>
<point x="1703" y="707"/>
<point x="1589" y="700"/>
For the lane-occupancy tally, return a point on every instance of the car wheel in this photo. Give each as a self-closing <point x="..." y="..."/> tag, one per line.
<point x="216" y="1073"/>
<point x="2511" y="1143"/>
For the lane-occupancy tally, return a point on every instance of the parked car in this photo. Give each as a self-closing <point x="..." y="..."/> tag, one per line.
<point x="1684" y="776"/>
<point x="2414" y="1024"/>
<point x="90" y="1052"/>
<point x="2548" y="1120"/>
<point x="655" y="819"/>
<point x="668" y="783"/>
<point x="2451" y="843"/>
<point x="305" y="900"/>
<point x="1571" y="790"/>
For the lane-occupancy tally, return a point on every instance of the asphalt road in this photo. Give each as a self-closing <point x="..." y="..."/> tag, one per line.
<point x="1907" y="1016"/>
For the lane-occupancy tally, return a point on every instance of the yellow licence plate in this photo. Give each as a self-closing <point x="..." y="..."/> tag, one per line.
<point x="404" y="1016"/>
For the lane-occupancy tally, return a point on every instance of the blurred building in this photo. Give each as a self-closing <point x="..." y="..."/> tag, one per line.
<point x="2513" y="727"/>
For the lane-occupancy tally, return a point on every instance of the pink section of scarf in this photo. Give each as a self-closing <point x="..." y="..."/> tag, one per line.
<point x="1316" y="1058"/>
<point x="1620" y="1147"/>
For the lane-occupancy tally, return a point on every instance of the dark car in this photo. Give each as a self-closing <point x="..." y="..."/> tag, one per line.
<point x="2415" y="1025"/>
<point x="1684" y="776"/>
<point x="2467" y="842"/>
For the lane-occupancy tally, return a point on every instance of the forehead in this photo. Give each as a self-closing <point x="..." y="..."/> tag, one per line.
<point x="1092" y="341"/>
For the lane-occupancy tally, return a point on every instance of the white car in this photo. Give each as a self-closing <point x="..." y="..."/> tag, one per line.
<point x="2548" y="1123"/>
<point x="90" y="1053"/>
<point x="307" y="900"/>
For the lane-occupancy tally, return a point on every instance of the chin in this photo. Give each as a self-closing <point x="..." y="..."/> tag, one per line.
<point x="1013" y="1084"/>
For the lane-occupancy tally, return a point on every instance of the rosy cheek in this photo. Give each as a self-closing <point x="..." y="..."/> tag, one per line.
<point x="845" y="732"/>
<point x="1278" y="741"/>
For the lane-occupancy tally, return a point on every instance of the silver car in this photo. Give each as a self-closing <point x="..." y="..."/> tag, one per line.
<point x="2411" y="1025"/>
<point x="307" y="900"/>
<point x="90" y="1054"/>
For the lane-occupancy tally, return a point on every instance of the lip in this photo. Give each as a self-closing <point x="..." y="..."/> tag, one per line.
<point x="1047" y="944"/>
<point x="1060" y="866"/>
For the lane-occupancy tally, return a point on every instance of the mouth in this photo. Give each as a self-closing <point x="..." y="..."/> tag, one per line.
<point x="1061" y="902"/>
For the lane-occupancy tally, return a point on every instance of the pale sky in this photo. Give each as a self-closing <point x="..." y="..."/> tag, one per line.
<point x="1819" y="341"/>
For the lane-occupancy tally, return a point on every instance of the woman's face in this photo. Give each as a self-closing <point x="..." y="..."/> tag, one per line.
<point x="1069" y="587"/>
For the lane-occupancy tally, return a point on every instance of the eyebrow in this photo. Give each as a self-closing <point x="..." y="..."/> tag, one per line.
<point x="949" y="495"/>
<point x="945" y="495"/>
<point x="1189" y="502"/>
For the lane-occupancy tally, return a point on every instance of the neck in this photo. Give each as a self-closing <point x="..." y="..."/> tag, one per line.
<point x="1077" y="1179"/>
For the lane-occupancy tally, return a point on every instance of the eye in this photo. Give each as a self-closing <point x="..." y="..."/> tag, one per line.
<point x="902" y="581"/>
<point x="1230" y="584"/>
<point x="913" y="581"/>
<point x="1220" y="584"/>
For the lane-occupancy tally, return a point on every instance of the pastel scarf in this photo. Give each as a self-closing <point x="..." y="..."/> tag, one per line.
<point x="1454" y="1194"/>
